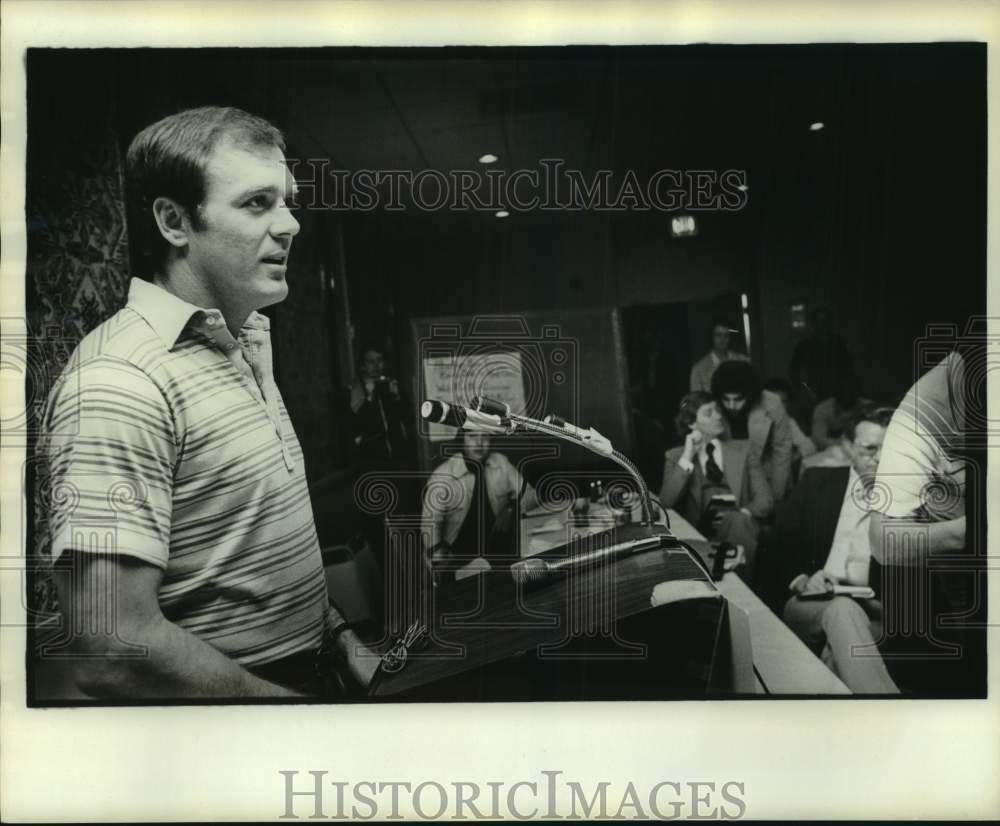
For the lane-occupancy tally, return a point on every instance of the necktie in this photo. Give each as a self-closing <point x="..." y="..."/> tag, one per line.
<point x="480" y="511"/>
<point x="712" y="469"/>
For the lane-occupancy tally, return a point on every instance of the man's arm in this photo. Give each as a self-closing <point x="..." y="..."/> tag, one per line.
<point x="910" y="456"/>
<point x="781" y="456"/>
<point x="114" y="600"/>
<point x="761" y="501"/>
<point x="675" y="480"/>
<point x="908" y="534"/>
<point x="361" y="661"/>
<point x="442" y="493"/>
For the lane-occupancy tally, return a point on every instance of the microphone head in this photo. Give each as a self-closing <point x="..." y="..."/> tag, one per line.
<point x="529" y="571"/>
<point x="440" y="412"/>
<point x="432" y="410"/>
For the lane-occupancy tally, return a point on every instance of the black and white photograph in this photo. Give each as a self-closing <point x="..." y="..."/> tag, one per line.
<point x="364" y="380"/>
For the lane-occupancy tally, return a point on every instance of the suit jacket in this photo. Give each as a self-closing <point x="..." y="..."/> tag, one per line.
<point x="448" y="494"/>
<point x="771" y="439"/>
<point x="803" y="531"/>
<point x="682" y="490"/>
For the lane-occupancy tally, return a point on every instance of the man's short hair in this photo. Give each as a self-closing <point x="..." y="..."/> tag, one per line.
<point x="873" y="413"/>
<point x="168" y="159"/>
<point x="722" y="322"/>
<point x="737" y="377"/>
<point x="687" y="410"/>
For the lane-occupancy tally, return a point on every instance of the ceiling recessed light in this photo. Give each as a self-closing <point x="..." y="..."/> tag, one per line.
<point x="815" y="127"/>
<point x="488" y="158"/>
<point x="501" y="213"/>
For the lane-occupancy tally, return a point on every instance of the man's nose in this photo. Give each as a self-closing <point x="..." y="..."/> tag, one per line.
<point x="285" y="224"/>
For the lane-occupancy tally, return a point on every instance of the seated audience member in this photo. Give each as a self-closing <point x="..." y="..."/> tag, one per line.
<point x="818" y="359"/>
<point x="820" y="539"/>
<point x="833" y="456"/>
<point x="802" y="445"/>
<point x="701" y="372"/>
<point x="710" y="465"/>
<point x="758" y="415"/>
<point x="831" y="416"/>
<point x="469" y="507"/>
<point x="923" y="513"/>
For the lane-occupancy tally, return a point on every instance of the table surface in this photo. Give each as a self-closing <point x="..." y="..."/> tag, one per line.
<point x="783" y="663"/>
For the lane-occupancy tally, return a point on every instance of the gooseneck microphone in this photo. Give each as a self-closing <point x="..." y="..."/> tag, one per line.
<point x="589" y="438"/>
<point x="455" y="415"/>
<point x="490" y="416"/>
<point x="537" y="569"/>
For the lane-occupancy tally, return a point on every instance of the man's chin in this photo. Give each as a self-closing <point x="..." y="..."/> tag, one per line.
<point x="274" y="293"/>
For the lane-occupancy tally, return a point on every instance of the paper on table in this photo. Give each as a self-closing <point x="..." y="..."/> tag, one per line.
<point x="549" y="527"/>
<point x="536" y="546"/>
<point x="678" y="590"/>
<point x="856" y="591"/>
<point x="539" y="510"/>
<point x="476" y="566"/>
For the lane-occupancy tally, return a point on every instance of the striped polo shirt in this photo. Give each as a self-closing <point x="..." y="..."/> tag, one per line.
<point x="167" y="440"/>
<point x="922" y="470"/>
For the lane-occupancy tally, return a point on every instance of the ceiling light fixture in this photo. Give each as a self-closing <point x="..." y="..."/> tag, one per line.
<point x="501" y="213"/>
<point x="488" y="158"/>
<point x="815" y="127"/>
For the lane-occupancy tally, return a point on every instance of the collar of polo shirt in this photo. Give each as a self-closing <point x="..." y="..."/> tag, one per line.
<point x="168" y="315"/>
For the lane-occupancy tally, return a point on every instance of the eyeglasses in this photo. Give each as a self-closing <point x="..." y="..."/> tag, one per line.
<point x="867" y="450"/>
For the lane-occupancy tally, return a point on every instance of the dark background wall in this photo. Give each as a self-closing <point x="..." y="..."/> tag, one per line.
<point x="880" y="216"/>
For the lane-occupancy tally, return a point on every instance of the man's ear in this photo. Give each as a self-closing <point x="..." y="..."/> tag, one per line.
<point x="172" y="221"/>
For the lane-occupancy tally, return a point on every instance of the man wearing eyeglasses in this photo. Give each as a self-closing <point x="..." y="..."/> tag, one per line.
<point x="820" y="541"/>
